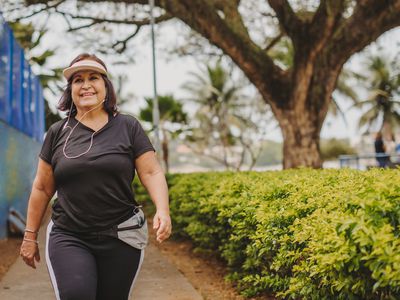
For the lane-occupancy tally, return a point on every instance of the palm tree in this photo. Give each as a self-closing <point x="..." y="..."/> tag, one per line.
<point x="171" y="111"/>
<point x="345" y="89"/>
<point x="219" y="116"/>
<point x="383" y="102"/>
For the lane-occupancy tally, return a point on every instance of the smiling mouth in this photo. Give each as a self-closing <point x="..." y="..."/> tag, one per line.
<point x="87" y="94"/>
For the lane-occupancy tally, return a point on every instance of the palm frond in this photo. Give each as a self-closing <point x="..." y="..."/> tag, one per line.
<point x="369" y="117"/>
<point x="336" y="109"/>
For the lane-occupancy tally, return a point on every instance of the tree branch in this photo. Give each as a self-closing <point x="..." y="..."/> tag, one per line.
<point x="71" y="29"/>
<point x="372" y="16"/>
<point x="47" y="7"/>
<point x="233" y="18"/>
<point x="273" y="42"/>
<point x="249" y="147"/>
<point x="95" y="20"/>
<point x="125" y="41"/>
<point x="326" y="18"/>
<point x="288" y="19"/>
<point x="231" y="37"/>
<point x="244" y="52"/>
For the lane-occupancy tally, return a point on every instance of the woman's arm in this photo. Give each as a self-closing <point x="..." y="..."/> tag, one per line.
<point x="43" y="190"/>
<point x="152" y="177"/>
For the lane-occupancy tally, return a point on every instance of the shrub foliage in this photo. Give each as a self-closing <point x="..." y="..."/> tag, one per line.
<point x="297" y="234"/>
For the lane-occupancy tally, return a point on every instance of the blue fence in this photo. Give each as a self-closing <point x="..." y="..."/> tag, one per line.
<point x="21" y="128"/>
<point x="21" y="97"/>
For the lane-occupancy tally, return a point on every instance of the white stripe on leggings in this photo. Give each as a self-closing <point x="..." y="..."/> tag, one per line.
<point x="49" y="266"/>
<point x="137" y="272"/>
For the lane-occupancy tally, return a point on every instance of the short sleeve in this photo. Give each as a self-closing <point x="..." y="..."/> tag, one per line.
<point x="141" y="142"/>
<point x="46" y="153"/>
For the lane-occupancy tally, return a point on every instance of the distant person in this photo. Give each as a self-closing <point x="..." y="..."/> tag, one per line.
<point x="97" y="233"/>
<point x="380" y="150"/>
<point x="397" y="152"/>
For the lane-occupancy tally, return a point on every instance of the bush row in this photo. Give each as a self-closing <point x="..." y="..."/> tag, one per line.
<point x="297" y="234"/>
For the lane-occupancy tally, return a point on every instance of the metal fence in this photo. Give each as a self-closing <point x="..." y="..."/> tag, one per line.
<point x="21" y="96"/>
<point x="369" y="160"/>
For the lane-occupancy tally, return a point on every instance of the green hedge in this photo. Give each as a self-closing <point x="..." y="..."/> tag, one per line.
<point x="298" y="234"/>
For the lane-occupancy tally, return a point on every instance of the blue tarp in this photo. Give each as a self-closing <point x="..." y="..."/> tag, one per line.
<point x="21" y="127"/>
<point x="21" y="96"/>
<point x="18" y="161"/>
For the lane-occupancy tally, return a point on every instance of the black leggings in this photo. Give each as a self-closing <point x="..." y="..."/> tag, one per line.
<point x="90" y="267"/>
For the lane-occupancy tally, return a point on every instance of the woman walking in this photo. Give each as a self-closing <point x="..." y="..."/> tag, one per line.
<point x="97" y="233"/>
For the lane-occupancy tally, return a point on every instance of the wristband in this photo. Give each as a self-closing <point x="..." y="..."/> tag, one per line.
<point x="31" y="231"/>
<point x="29" y="240"/>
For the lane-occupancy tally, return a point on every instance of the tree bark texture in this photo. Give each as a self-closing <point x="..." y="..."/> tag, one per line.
<point x="299" y="97"/>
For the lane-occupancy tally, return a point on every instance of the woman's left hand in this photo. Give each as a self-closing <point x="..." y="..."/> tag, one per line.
<point x="162" y="223"/>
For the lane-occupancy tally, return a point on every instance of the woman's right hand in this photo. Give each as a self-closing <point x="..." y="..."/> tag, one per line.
<point x="30" y="252"/>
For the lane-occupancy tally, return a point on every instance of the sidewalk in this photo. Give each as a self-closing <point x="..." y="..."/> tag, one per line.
<point x="158" y="279"/>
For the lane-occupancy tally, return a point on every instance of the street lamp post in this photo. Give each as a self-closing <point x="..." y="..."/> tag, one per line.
<point x="156" y="112"/>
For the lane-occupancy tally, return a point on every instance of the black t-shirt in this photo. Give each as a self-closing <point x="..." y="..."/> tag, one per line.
<point x="94" y="191"/>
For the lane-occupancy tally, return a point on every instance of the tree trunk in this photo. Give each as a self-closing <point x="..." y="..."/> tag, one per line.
<point x="302" y="115"/>
<point x="301" y="140"/>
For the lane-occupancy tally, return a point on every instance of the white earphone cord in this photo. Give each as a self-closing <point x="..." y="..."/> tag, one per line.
<point x="73" y="128"/>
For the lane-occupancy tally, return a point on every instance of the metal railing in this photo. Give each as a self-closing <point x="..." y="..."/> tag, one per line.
<point x="368" y="160"/>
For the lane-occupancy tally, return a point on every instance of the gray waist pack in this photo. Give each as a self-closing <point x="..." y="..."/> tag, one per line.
<point x="134" y="230"/>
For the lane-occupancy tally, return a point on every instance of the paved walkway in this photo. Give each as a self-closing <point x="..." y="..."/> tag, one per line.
<point x="158" y="279"/>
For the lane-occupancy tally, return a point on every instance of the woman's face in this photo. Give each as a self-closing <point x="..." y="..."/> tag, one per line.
<point x="87" y="89"/>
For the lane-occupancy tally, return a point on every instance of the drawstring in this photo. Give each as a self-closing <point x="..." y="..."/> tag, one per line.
<point x="73" y="128"/>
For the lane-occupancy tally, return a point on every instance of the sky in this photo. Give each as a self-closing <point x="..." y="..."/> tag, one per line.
<point x="173" y="72"/>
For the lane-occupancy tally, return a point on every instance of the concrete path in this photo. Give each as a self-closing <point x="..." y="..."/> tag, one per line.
<point x="158" y="279"/>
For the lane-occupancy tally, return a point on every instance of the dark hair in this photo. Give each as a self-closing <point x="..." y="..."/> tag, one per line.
<point x="110" y="103"/>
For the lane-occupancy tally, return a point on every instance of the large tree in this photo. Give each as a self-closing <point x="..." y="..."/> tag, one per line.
<point x="324" y="36"/>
